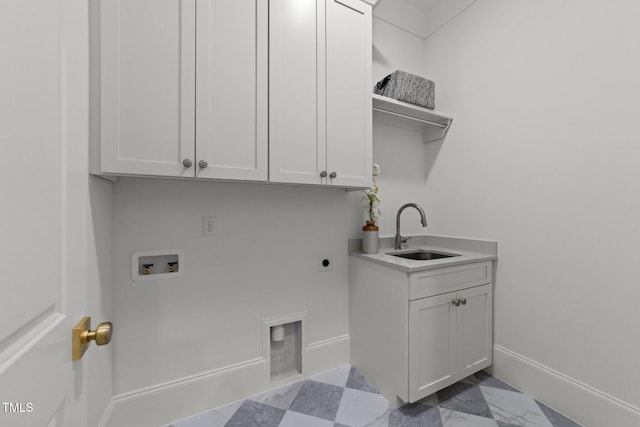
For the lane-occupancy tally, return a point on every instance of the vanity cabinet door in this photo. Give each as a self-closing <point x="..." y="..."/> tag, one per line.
<point x="432" y="336"/>
<point x="450" y="338"/>
<point x="473" y="330"/>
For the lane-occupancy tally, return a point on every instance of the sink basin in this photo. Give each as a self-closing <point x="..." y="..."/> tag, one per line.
<point x="422" y="255"/>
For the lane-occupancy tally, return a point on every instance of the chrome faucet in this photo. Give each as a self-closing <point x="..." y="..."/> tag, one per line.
<point x="423" y="220"/>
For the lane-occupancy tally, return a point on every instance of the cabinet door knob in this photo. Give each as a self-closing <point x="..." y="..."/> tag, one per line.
<point x="187" y="163"/>
<point x="456" y="302"/>
<point x="323" y="174"/>
<point x="463" y="301"/>
<point x="333" y="175"/>
<point x="203" y="164"/>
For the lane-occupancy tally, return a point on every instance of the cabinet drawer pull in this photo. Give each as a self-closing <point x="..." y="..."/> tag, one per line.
<point x="456" y="302"/>
<point x="333" y="175"/>
<point x="203" y="164"/>
<point x="463" y="301"/>
<point x="323" y="174"/>
<point x="187" y="163"/>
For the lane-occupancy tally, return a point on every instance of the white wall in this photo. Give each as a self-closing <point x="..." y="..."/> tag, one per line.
<point x="539" y="158"/>
<point x="393" y="49"/>
<point x="99" y="255"/>
<point x="543" y="156"/>
<point x="401" y="154"/>
<point x="99" y="249"/>
<point x="262" y="263"/>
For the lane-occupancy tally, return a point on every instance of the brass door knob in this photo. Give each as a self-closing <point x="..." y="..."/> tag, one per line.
<point x="82" y="335"/>
<point x="102" y="334"/>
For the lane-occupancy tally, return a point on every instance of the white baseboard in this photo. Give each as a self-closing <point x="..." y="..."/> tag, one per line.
<point x="327" y="354"/>
<point x="106" y="415"/>
<point x="584" y="404"/>
<point x="164" y="403"/>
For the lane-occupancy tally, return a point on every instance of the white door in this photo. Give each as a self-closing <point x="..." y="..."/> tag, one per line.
<point x="43" y="119"/>
<point x="147" y="83"/>
<point x="231" y="89"/>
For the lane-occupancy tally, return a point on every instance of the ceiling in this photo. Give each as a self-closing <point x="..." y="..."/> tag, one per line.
<point x="423" y="5"/>
<point x="420" y="17"/>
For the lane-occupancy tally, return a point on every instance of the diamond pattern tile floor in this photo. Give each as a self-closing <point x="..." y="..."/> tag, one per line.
<point x="343" y="398"/>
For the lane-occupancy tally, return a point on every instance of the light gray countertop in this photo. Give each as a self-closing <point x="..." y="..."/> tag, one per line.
<point x="469" y="251"/>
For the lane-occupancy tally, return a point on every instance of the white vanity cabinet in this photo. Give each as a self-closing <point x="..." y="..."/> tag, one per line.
<point x="449" y="337"/>
<point x="414" y="333"/>
<point x="181" y="94"/>
<point x="320" y="92"/>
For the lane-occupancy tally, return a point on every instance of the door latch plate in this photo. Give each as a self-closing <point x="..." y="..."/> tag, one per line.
<point x="79" y="344"/>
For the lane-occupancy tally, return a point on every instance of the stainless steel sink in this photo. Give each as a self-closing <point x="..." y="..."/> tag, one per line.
<point x="422" y="255"/>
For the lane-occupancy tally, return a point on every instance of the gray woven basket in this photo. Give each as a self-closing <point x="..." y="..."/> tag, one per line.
<point x="409" y="88"/>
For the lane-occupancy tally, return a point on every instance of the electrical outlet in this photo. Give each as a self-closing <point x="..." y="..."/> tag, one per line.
<point x="209" y="226"/>
<point x="325" y="263"/>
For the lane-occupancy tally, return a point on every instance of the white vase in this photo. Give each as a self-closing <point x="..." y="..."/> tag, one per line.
<point x="370" y="238"/>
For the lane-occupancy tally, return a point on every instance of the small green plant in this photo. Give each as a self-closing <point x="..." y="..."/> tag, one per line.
<point x="370" y="199"/>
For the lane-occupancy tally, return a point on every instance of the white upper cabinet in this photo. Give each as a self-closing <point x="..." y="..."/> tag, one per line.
<point x="231" y="89"/>
<point x="211" y="89"/>
<point x="171" y="109"/>
<point x="320" y="92"/>
<point x="147" y="87"/>
<point x="296" y="153"/>
<point x="348" y="92"/>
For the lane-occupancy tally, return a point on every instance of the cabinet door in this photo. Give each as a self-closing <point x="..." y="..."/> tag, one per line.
<point x="348" y="92"/>
<point x="231" y="87"/>
<point x="474" y="332"/>
<point x="431" y="344"/>
<point x="297" y="150"/>
<point x="147" y="50"/>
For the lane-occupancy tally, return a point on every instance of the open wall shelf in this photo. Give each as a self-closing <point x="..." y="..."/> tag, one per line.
<point x="432" y="124"/>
